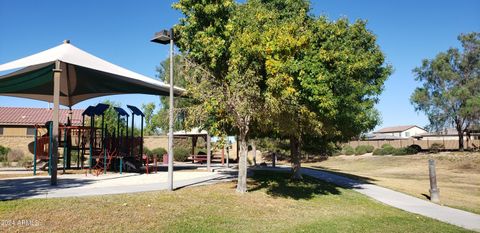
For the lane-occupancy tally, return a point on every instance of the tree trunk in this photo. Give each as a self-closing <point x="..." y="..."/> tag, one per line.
<point x="460" y="140"/>
<point x="242" y="162"/>
<point x="254" y="149"/>
<point x="295" y="153"/>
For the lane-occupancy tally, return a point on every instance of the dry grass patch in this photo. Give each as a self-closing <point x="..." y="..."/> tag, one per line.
<point x="458" y="174"/>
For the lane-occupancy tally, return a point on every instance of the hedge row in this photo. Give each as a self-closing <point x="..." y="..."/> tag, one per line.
<point x="179" y="153"/>
<point x="388" y="149"/>
<point x="359" y="150"/>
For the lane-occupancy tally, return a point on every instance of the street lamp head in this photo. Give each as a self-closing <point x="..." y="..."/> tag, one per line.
<point x="162" y="37"/>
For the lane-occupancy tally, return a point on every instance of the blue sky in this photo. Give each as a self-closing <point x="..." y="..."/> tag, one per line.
<point x="120" y="31"/>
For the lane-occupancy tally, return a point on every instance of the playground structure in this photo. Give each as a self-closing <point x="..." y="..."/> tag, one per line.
<point x="102" y="149"/>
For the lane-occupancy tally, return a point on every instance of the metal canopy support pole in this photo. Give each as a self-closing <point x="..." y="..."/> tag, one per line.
<point x="118" y="130"/>
<point x="141" y="136"/>
<point x="132" y="140"/>
<point x="104" y="147"/>
<point x="209" y="153"/>
<point x="126" y="138"/>
<point x="69" y="138"/>
<point x="103" y="130"/>
<point x="65" y="150"/>
<point x="170" y="119"/>
<point x="56" y="101"/>
<point x="50" y="148"/>
<point x="35" y="152"/>
<point x="104" y="158"/>
<point x="92" y="132"/>
<point x="80" y="134"/>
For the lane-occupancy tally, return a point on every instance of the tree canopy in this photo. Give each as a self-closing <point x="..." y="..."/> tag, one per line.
<point x="272" y="67"/>
<point x="450" y="93"/>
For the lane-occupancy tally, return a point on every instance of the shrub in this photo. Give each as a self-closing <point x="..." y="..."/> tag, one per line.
<point x="369" y="148"/>
<point x="414" y="148"/>
<point x="336" y="153"/>
<point x="147" y="151"/>
<point x="386" y="146"/>
<point x="160" y="151"/>
<point x="3" y="153"/>
<point x="348" y="150"/>
<point x="360" y="150"/>
<point x="404" y="151"/>
<point x="400" y="151"/>
<point x="411" y="150"/>
<point x="378" y="151"/>
<point x="180" y="154"/>
<point x="436" y="147"/>
<point x="387" y="149"/>
<point x="15" y="155"/>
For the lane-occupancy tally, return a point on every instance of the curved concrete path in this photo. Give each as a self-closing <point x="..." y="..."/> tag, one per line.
<point x="399" y="200"/>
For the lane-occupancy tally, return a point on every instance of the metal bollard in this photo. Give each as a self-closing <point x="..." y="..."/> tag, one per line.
<point x="434" y="191"/>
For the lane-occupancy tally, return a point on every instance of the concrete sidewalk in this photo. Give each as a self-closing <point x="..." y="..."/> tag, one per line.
<point x="399" y="200"/>
<point x="81" y="185"/>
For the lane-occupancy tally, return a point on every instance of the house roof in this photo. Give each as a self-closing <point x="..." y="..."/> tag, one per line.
<point x="33" y="116"/>
<point x="445" y="132"/>
<point x="393" y="129"/>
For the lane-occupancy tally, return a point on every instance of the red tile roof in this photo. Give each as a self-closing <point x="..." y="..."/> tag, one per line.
<point x="33" y="116"/>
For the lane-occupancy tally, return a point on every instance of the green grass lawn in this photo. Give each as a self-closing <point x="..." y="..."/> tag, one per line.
<point x="273" y="204"/>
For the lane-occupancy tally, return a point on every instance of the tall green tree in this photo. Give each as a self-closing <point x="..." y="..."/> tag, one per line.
<point x="450" y="93"/>
<point x="151" y="125"/>
<point x="222" y="77"/>
<point x="322" y="78"/>
<point x="160" y="118"/>
<point x="276" y="33"/>
<point x="110" y="117"/>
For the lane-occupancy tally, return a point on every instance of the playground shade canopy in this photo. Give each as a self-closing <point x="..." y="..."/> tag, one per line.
<point x="83" y="76"/>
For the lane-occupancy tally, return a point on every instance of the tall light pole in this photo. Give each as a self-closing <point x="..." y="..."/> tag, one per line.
<point x="165" y="37"/>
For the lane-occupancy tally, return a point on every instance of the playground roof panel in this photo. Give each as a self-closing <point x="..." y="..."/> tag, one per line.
<point x="88" y="111"/>
<point x="120" y="111"/>
<point x="135" y="110"/>
<point x="100" y="109"/>
<point x="83" y="76"/>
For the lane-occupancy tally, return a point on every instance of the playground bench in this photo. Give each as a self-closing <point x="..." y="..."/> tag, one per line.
<point x="199" y="158"/>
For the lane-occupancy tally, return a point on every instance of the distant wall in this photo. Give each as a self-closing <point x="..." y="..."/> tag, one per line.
<point x="14" y="131"/>
<point x="17" y="142"/>
<point x="152" y="142"/>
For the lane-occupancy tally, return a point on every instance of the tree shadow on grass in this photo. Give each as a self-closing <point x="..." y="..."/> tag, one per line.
<point x="362" y="179"/>
<point x="280" y="184"/>
<point x="19" y="188"/>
